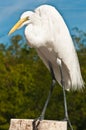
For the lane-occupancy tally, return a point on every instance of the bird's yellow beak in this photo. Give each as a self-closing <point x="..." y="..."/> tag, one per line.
<point x="17" y="25"/>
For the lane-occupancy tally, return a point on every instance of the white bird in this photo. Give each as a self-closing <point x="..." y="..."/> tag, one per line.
<point x="47" y="32"/>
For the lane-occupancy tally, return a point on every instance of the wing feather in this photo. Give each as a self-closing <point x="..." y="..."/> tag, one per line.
<point x="61" y="45"/>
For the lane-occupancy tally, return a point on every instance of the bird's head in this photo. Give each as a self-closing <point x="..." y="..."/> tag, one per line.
<point x="36" y="34"/>
<point x="24" y="20"/>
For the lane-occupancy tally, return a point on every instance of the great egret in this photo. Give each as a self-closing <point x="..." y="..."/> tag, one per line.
<point x="47" y="32"/>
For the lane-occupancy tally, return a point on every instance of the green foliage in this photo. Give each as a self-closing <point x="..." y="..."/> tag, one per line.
<point x="24" y="86"/>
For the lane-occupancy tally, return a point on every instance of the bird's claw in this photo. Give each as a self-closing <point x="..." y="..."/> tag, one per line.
<point x="65" y="119"/>
<point x="68" y="121"/>
<point x="36" y="123"/>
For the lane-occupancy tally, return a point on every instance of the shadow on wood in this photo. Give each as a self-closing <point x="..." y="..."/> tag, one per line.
<point x="26" y="124"/>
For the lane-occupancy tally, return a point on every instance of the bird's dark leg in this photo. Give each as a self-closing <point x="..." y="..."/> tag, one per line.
<point x="36" y="122"/>
<point x="65" y="101"/>
<point x="50" y="91"/>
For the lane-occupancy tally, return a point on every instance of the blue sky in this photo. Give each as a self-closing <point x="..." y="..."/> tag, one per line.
<point x="73" y="12"/>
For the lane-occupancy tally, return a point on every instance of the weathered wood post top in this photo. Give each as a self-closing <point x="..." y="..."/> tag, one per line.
<point x="26" y="124"/>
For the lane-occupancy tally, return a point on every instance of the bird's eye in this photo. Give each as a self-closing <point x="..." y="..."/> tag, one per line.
<point x="27" y="18"/>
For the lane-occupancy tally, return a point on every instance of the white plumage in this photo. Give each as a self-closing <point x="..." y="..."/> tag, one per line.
<point x="47" y="32"/>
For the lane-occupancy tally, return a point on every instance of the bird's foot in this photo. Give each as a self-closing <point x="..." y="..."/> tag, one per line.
<point x="65" y="119"/>
<point x="68" y="121"/>
<point x="36" y="122"/>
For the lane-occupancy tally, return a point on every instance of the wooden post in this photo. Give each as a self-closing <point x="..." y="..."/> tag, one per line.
<point x="26" y="124"/>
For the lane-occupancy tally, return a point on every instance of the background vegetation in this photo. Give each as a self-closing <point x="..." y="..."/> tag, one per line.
<point x="25" y="82"/>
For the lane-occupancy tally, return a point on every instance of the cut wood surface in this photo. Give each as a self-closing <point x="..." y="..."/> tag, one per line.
<point x="26" y="124"/>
